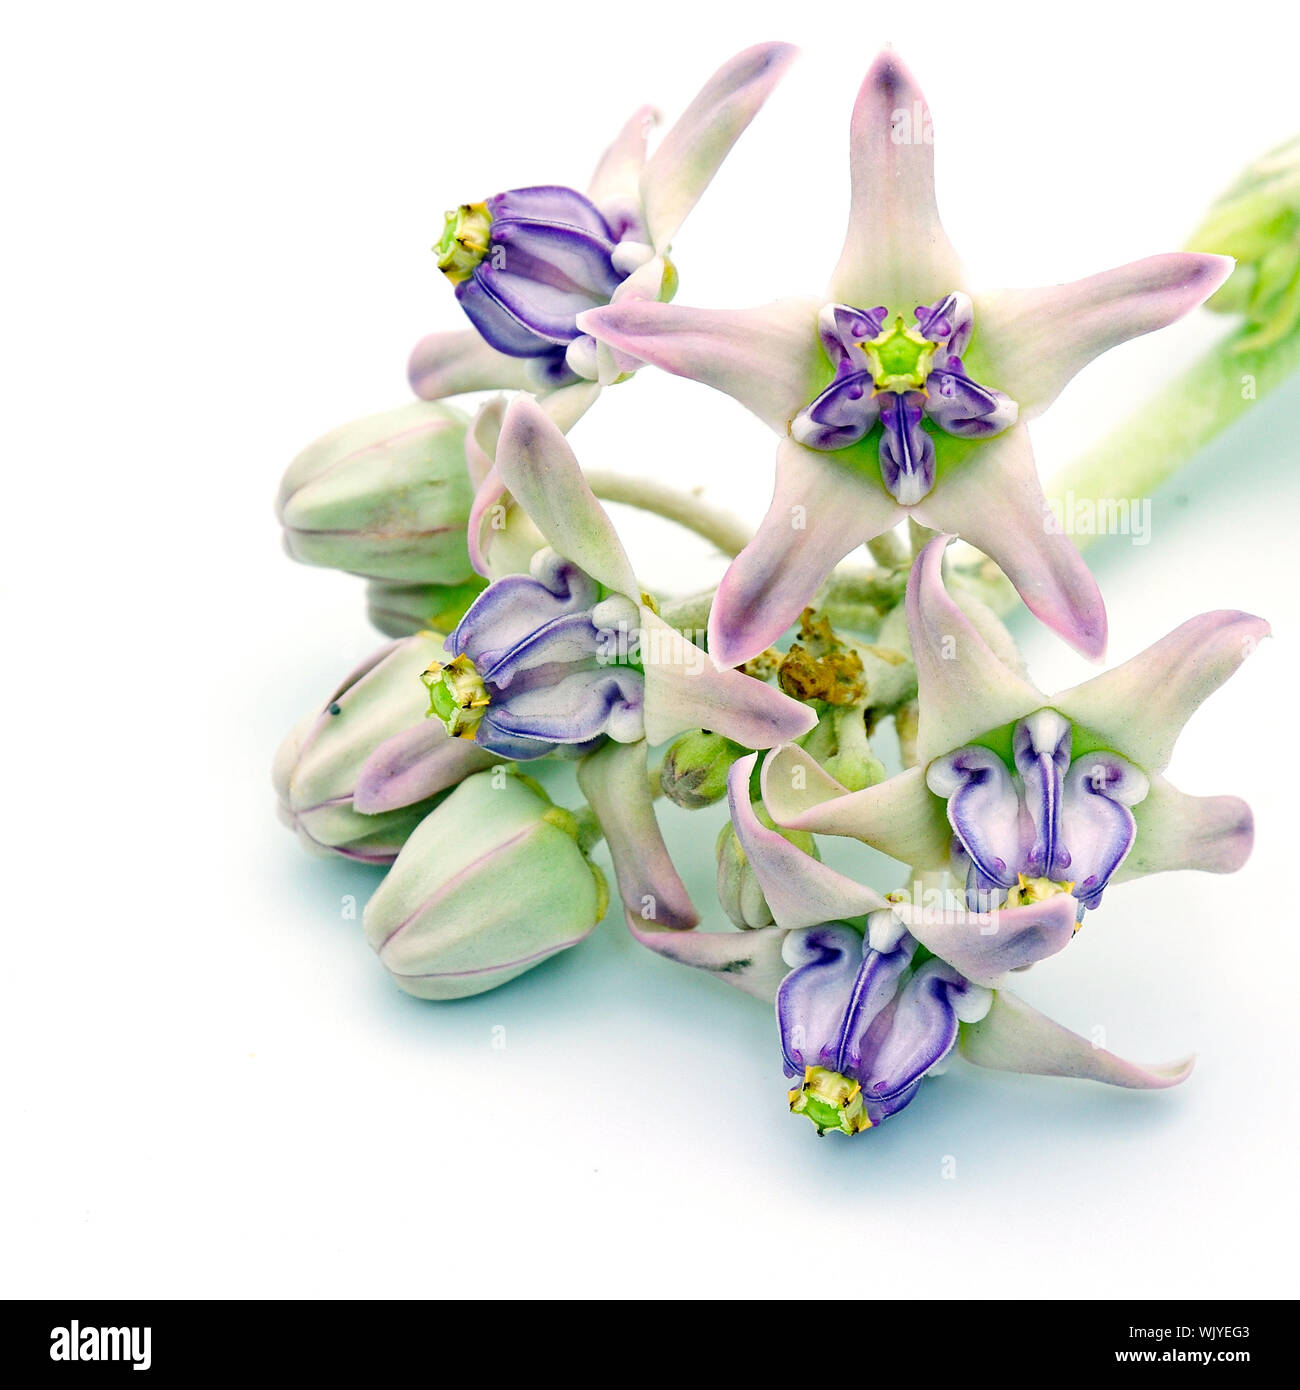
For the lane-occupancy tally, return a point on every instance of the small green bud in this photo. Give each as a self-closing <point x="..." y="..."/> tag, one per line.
<point x="1257" y="221"/>
<point x="316" y="770"/>
<point x="492" y="883"/>
<point x="398" y="610"/>
<point x="739" y="890"/>
<point x="387" y="497"/>
<point x="695" y="767"/>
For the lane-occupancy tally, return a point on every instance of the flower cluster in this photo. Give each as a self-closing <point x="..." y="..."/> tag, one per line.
<point x="525" y="641"/>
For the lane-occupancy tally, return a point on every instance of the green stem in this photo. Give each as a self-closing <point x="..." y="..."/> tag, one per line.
<point x="715" y="524"/>
<point x="1167" y="432"/>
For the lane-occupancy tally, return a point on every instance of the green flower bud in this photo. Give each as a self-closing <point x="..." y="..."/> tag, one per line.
<point x="318" y="765"/>
<point x="492" y="882"/>
<point x="694" y="772"/>
<point x="1257" y="221"/>
<point x="398" y="610"/>
<point x="386" y="496"/>
<point x="738" y="889"/>
<point x="840" y="744"/>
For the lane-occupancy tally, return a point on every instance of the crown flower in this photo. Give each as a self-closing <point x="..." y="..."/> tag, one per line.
<point x="540" y="699"/>
<point x="901" y="394"/>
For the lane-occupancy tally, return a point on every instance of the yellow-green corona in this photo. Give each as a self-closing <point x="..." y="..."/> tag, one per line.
<point x="457" y="695"/>
<point x="464" y="241"/>
<point x="831" y="1101"/>
<point x="900" y="357"/>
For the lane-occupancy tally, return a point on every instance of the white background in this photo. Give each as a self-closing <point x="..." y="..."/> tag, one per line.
<point x="216" y="247"/>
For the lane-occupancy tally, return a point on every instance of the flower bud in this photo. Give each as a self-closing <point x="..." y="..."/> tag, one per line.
<point x="387" y="496"/>
<point x="492" y="882"/>
<point x="380" y="706"/>
<point x="694" y="772"/>
<point x="739" y="891"/>
<point x="398" y="610"/>
<point x="1257" y="221"/>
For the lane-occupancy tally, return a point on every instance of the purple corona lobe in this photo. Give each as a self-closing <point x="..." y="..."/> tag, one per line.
<point x="548" y="259"/>
<point x="869" y="1017"/>
<point x="899" y="378"/>
<point x="549" y="676"/>
<point x="1063" y="822"/>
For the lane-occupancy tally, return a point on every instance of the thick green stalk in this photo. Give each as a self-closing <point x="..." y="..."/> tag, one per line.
<point x="1173" y="426"/>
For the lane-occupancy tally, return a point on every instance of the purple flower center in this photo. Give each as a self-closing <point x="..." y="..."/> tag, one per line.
<point x="1051" y="823"/>
<point x="861" y="1027"/>
<point x="540" y="661"/>
<point x="526" y="263"/>
<point x="898" y="376"/>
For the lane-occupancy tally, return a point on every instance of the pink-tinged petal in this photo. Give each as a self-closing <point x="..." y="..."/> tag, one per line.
<point x="685" y="690"/>
<point x="481" y="440"/>
<point x="800" y="890"/>
<point x="993" y="499"/>
<point x="566" y="405"/>
<point x="768" y="359"/>
<point x="446" y="364"/>
<point x="1178" y="831"/>
<point x="821" y="509"/>
<point x="964" y="689"/>
<point x="1038" y="339"/>
<point x="1014" y="1037"/>
<point x="614" y="781"/>
<point x="616" y="183"/>
<point x="539" y="469"/>
<point x="900" y="816"/>
<point x="896" y="251"/>
<point x="1140" y="707"/>
<point x="984" y="946"/>
<point x="645" y="283"/>
<point x="750" y="960"/>
<point x="414" y="764"/>
<point x="689" y="154"/>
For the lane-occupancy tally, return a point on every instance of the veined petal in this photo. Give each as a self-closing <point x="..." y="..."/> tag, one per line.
<point x="821" y="509"/>
<point x="983" y="810"/>
<point x="1141" y="706"/>
<point x="1041" y="747"/>
<point x="537" y="465"/>
<point x="921" y="1031"/>
<point x="964" y="689"/>
<point x="896" y="251"/>
<point x="814" y="998"/>
<point x="615" y="184"/>
<point x="576" y="708"/>
<point x="844" y="413"/>
<point x="984" y="946"/>
<point x="481" y="440"/>
<point x="548" y="202"/>
<point x="993" y="499"/>
<point x="1178" y="831"/>
<point x="685" y="690"/>
<point x="900" y="816"/>
<point x="414" y="764"/>
<point x="1040" y="338"/>
<point x="906" y="450"/>
<point x="614" y="781"/>
<point x="689" y="154"/>
<point x="750" y="960"/>
<point x="446" y="364"/>
<point x="1015" y="1037"/>
<point x="512" y="609"/>
<point x="1097" y="826"/>
<point x="800" y="890"/>
<point x="768" y="359"/>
